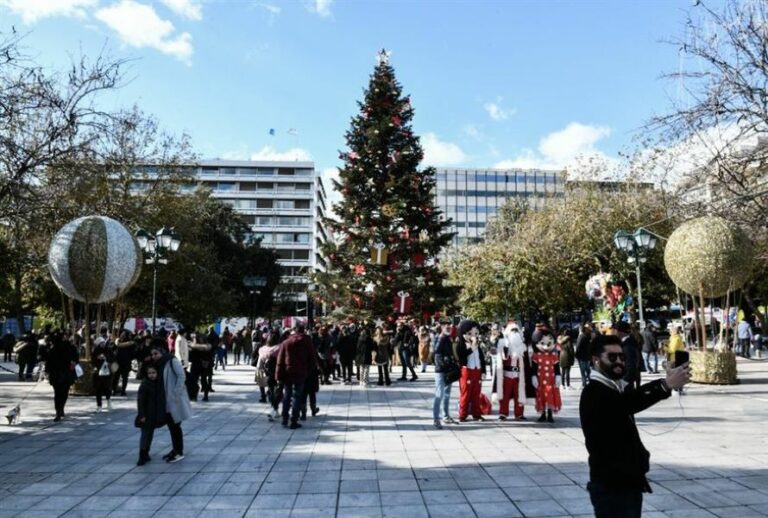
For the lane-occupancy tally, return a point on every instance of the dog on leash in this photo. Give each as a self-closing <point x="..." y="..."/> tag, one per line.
<point x="14" y="415"/>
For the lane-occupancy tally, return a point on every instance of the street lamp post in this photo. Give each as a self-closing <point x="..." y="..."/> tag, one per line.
<point x="635" y="244"/>
<point x="155" y="248"/>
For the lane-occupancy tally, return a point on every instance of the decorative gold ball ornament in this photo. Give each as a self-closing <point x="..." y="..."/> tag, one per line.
<point x="708" y="255"/>
<point x="389" y="211"/>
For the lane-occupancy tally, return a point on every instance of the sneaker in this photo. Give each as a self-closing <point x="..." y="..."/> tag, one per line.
<point x="176" y="457"/>
<point x="502" y="418"/>
<point x="109" y="404"/>
<point x="479" y="418"/>
<point x="315" y="411"/>
<point x="303" y="417"/>
<point x="98" y="409"/>
<point x="449" y="420"/>
<point x="294" y="426"/>
<point x="57" y="419"/>
<point x="414" y="378"/>
<point x="168" y="455"/>
<point x="205" y="397"/>
<point x="438" y="424"/>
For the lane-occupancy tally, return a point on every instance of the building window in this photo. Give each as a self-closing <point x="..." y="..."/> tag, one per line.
<point x="225" y="186"/>
<point x="249" y="219"/>
<point x="285" y="171"/>
<point x="302" y="204"/>
<point x="265" y="185"/>
<point x="247" y="186"/>
<point x="264" y="204"/>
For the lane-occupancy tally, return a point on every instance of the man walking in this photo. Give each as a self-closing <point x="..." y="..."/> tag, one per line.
<point x="744" y="331"/>
<point x="650" y="348"/>
<point x="292" y="368"/>
<point x="618" y="461"/>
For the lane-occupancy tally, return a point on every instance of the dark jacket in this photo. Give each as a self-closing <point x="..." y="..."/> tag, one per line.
<point x="365" y="348"/>
<point x="444" y="356"/>
<point x="463" y="352"/>
<point x="347" y="347"/>
<point x="293" y="359"/>
<point x="60" y="366"/>
<point x="582" y="351"/>
<point x="151" y="403"/>
<point x="650" y="344"/>
<point x="406" y="339"/>
<point x="617" y="457"/>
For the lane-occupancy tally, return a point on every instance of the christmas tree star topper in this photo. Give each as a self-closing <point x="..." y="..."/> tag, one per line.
<point x="382" y="57"/>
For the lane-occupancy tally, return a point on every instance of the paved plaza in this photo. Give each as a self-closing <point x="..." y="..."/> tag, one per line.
<point x="374" y="453"/>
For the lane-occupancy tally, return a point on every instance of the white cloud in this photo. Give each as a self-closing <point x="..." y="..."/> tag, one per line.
<point x="271" y="9"/>
<point x="472" y="131"/>
<point x="140" y="26"/>
<point x="186" y="8"/>
<point x="496" y="112"/>
<point x="561" y="148"/>
<point x="440" y="153"/>
<point x="321" y="7"/>
<point x="270" y="153"/>
<point x="34" y="10"/>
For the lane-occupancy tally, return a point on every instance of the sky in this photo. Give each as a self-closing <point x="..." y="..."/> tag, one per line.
<point x="493" y="83"/>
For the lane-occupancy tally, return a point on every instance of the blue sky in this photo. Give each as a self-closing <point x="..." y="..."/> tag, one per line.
<point x="493" y="83"/>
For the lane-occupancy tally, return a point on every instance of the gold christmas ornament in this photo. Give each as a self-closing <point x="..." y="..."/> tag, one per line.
<point x="389" y="211"/>
<point x="708" y="256"/>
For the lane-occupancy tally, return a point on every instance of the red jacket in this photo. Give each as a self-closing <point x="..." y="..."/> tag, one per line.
<point x="293" y="359"/>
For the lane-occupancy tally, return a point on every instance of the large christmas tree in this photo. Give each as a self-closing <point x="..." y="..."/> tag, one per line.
<point x="387" y="234"/>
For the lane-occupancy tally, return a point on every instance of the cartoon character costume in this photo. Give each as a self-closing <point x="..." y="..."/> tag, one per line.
<point x="509" y="372"/>
<point x="546" y="376"/>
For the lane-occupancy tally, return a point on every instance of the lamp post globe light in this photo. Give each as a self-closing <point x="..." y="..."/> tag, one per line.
<point x="155" y="250"/>
<point x="635" y="245"/>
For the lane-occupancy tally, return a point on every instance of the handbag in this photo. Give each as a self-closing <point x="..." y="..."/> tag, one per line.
<point x="451" y="372"/>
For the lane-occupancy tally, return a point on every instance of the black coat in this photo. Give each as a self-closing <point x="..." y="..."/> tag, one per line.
<point x="582" y="347"/>
<point x="151" y="403"/>
<point x="444" y="357"/>
<point x="365" y="347"/>
<point x="617" y="457"/>
<point x="463" y="352"/>
<point x="59" y="365"/>
<point x="631" y="358"/>
<point x="347" y="347"/>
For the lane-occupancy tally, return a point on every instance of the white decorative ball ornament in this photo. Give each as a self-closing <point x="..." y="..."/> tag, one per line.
<point x="94" y="259"/>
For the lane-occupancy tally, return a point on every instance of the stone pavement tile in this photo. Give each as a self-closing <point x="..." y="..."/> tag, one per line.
<point x="549" y="479"/>
<point x="741" y="511"/>
<point x="711" y="499"/>
<point x="100" y="503"/>
<point x="540" y="508"/>
<point x="763" y="508"/>
<point x="143" y="503"/>
<point x="403" y="484"/>
<point x="308" y="500"/>
<point x="685" y="486"/>
<point x="358" y="474"/>
<point x="267" y="513"/>
<point x="33" y="514"/>
<point x="721" y="484"/>
<point x="43" y="488"/>
<point x="405" y="511"/>
<point x="463" y="510"/>
<point x="273" y="502"/>
<point x="319" y="486"/>
<point x="401" y="498"/>
<point x="571" y="491"/>
<point x="359" y="499"/>
<point x="748" y="496"/>
<point x="279" y="488"/>
<point x="438" y="484"/>
<point x="249" y="476"/>
<point x="239" y="488"/>
<point x="690" y="513"/>
<point x="443" y="497"/>
<point x="286" y="476"/>
<point x="754" y="482"/>
<point x="361" y="512"/>
<point x="200" y="489"/>
<point x="209" y="478"/>
<point x="432" y="473"/>
<point x="496" y="510"/>
<point x="526" y="493"/>
<point x="515" y="481"/>
<point x="316" y="512"/>
<point x="358" y="486"/>
<point x="478" y="496"/>
<point x="118" y="489"/>
<point x="80" y="513"/>
<point x="668" y="502"/>
<point x="576" y="505"/>
<point x="477" y="483"/>
<point x="230" y="502"/>
<point x="59" y="503"/>
<point x="176" y="513"/>
<point x="185" y="503"/>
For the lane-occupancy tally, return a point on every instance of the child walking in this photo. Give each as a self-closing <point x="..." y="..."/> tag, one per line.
<point x="151" y="412"/>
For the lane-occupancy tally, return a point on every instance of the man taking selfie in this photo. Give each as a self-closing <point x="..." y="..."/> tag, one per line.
<point x="618" y="461"/>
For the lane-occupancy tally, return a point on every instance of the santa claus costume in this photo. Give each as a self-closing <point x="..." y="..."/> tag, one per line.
<point x="546" y="376"/>
<point x="509" y="372"/>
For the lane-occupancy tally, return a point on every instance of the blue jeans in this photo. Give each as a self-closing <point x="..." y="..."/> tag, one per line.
<point x="405" y="360"/>
<point x="442" y="393"/>
<point x="584" y="368"/>
<point x="293" y="399"/>
<point x="647" y="357"/>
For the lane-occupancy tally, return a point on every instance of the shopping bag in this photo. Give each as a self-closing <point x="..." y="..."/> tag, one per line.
<point x="485" y="405"/>
<point x="78" y="370"/>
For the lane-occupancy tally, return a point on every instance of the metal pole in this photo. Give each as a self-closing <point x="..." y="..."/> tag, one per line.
<point x="639" y="291"/>
<point x="154" y="292"/>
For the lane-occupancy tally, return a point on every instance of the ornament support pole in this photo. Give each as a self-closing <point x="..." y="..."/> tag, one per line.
<point x="87" y="330"/>
<point x="703" y="319"/>
<point x="639" y="292"/>
<point x="154" y="294"/>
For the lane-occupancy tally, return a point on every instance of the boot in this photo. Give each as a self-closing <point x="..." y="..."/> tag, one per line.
<point x="549" y="417"/>
<point x="143" y="457"/>
<point x="543" y="417"/>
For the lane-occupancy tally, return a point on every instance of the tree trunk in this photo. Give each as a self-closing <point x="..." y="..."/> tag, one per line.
<point x="18" y="301"/>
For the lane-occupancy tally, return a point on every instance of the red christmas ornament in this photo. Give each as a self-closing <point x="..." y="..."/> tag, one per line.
<point x="396" y="120"/>
<point x="406" y="233"/>
<point x="418" y="259"/>
<point x="359" y="269"/>
<point x="394" y="264"/>
<point x="358" y="300"/>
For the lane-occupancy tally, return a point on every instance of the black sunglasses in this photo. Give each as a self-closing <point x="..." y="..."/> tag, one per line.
<point x="612" y="357"/>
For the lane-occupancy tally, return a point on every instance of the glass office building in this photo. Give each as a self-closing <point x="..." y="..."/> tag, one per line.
<point x="471" y="197"/>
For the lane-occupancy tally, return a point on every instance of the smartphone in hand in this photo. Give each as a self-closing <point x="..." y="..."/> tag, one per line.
<point x="681" y="357"/>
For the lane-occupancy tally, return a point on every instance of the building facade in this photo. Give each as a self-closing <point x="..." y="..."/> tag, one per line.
<point x="471" y="197"/>
<point x="284" y="203"/>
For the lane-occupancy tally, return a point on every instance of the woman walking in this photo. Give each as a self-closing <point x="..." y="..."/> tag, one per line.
<point x="62" y="358"/>
<point x="566" y="356"/>
<point x="365" y="348"/>
<point x="177" y="406"/>
<point x="382" y="339"/>
<point x="102" y="374"/>
<point x="425" y="341"/>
